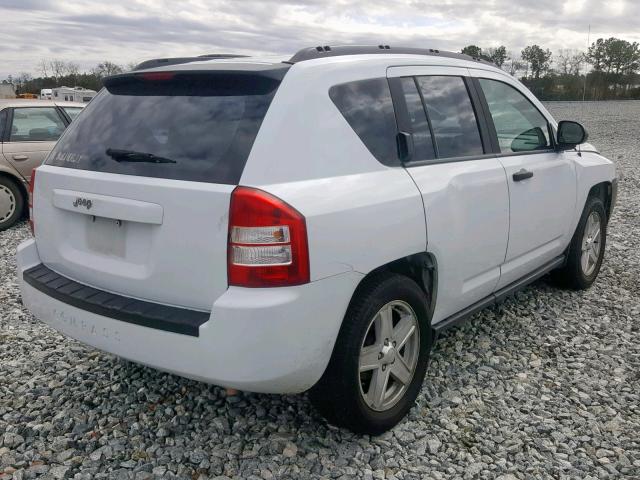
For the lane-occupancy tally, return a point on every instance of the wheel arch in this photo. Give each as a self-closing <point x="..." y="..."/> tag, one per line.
<point x="421" y="267"/>
<point x="21" y="187"/>
<point x="606" y="192"/>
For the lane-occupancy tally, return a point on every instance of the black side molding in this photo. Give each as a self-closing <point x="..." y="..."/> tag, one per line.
<point x="125" y="309"/>
<point x="496" y="297"/>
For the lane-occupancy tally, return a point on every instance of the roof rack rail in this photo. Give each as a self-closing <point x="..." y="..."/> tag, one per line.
<point x="340" y="50"/>
<point x="222" y="55"/>
<point x="163" y="62"/>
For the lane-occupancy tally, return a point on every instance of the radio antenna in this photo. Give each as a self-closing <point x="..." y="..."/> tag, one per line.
<point x="584" y="86"/>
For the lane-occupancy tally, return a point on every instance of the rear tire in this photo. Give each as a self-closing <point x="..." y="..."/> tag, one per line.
<point x="379" y="359"/>
<point x="11" y="203"/>
<point x="586" y="251"/>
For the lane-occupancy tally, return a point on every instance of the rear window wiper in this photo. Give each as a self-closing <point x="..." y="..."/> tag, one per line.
<point x="133" y="156"/>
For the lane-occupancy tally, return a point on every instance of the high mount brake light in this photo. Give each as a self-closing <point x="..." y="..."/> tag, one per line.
<point x="267" y="241"/>
<point x="156" y="76"/>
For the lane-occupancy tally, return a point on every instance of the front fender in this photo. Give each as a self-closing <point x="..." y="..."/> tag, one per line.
<point x="591" y="169"/>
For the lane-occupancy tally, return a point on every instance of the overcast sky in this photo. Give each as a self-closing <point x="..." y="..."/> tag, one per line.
<point x="123" y="31"/>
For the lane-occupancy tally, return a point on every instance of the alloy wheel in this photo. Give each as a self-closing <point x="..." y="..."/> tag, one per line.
<point x="591" y="244"/>
<point x="389" y="355"/>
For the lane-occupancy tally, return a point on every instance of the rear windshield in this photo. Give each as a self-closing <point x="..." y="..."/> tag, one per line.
<point x="188" y="127"/>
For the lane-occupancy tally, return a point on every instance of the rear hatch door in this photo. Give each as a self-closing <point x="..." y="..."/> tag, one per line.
<point x="134" y="198"/>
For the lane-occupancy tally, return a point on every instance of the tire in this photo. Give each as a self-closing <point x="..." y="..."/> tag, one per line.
<point x="11" y="203"/>
<point x="576" y="273"/>
<point x="344" y="395"/>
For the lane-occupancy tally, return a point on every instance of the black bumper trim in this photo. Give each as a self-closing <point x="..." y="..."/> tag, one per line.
<point x="118" y="307"/>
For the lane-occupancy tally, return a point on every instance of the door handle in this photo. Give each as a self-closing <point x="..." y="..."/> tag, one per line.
<point x="522" y="174"/>
<point x="20" y="157"/>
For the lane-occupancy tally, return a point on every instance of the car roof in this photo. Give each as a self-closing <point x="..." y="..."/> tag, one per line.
<point x="343" y="54"/>
<point x="356" y="59"/>
<point x="276" y="66"/>
<point x="26" y="102"/>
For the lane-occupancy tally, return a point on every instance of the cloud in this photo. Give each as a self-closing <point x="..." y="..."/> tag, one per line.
<point x="123" y="31"/>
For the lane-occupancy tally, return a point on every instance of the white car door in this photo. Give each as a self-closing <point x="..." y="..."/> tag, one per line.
<point x="541" y="180"/>
<point x="464" y="189"/>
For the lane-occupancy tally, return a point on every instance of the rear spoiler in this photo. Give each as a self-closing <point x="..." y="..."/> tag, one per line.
<point x="164" y="62"/>
<point x="226" y="79"/>
<point x="273" y="71"/>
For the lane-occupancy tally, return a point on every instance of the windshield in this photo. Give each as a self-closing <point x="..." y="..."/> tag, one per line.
<point x="205" y="124"/>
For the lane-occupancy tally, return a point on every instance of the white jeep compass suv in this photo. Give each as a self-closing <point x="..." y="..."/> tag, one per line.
<point x="308" y="224"/>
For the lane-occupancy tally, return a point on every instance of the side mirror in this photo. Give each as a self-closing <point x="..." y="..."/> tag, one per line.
<point x="570" y="134"/>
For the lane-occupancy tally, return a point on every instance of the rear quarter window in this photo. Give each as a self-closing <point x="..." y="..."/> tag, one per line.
<point x="195" y="127"/>
<point x="367" y="106"/>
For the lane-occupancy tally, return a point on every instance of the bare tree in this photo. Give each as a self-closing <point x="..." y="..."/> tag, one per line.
<point x="569" y="61"/>
<point x="106" y="68"/>
<point x="23" y="78"/>
<point x="71" y="68"/>
<point x="43" y="68"/>
<point x="512" y="65"/>
<point x="58" y="68"/>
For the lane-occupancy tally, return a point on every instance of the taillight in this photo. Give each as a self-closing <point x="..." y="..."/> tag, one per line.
<point x="267" y="241"/>
<point x="32" y="184"/>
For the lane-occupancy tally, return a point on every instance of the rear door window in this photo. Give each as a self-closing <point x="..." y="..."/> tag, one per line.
<point x="420" y="131"/>
<point x="452" y="117"/>
<point x="36" y="124"/>
<point x="368" y="108"/>
<point x="196" y="127"/>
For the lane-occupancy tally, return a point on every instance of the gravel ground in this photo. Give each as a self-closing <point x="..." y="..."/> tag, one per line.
<point x="547" y="385"/>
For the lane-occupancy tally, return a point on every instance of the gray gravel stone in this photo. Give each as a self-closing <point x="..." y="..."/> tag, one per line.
<point x="544" y="386"/>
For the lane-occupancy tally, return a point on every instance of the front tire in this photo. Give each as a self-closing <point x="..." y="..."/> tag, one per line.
<point x="11" y="203"/>
<point x="379" y="359"/>
<point x="586" y="251"/>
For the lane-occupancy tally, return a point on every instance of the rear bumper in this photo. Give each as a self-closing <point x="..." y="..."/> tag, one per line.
<point x="263" y="340"/>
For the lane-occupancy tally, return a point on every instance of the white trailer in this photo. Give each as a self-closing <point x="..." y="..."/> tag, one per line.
<point x="75" y="94"/>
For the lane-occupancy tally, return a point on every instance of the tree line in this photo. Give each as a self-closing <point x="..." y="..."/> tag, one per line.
<point x="609" y="70"/>
<point x="58" y="73"/>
